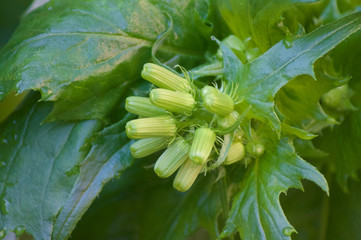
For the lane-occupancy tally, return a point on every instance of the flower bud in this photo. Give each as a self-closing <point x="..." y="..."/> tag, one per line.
<point x="202" y="145"/>
<point x="255" y="149"/>
<point x="217" y="102"/>
<point x="186" y="175"/>
<point x="143" y="107"/>
<point x="236" y="153"/>
<point x="172" y="158"/>
<point x="162" y="126"/>
<point x="228" y="120"/>
<point x="164" y="78"/>
<point x="177" y="102"/>
<point x="148" y="146"/>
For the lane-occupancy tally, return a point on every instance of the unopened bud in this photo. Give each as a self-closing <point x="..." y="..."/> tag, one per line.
<point x="172" y="158"/>
<point x="177" y="102"/>
<point x="164" y="78"/>
<point x="228" y="120"/>
<point x="186" y="175"/>
<point x="143" y="107"/>
<point x="236" y="153"/>
<point x="202" y="145"/>
<point x="162" y="126"/>
<point x="255" y="149"/>
<point x="217" y="102"/>
<point x="147" y="146"/>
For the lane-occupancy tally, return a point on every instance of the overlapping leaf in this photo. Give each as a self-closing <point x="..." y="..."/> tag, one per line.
<point x="299" y="99"/>
<point x="247" y="18"/>
<point x="60" y="173"/>
<point x="256" y="211"/>
<point x="260" y="80"/>
<point x="80" y="54"/>
<point x="35" y="160"/>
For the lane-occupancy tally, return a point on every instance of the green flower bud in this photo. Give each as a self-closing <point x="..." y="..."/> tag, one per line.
<point x="228" y="120"/>
<point x="148" y="146"/>
<point x="162" y="126"/>
<point x="143" y="107"/>
<point x="202" y="145"/>
<point x="236" y="153"/>
<point x="177" y="102"/>
<point x="172" y="158"/>
<point x="217" y="102"/>
<point x="186" y="175"/>
<point x="164" y="78"/>
<point x="255" y="148"/>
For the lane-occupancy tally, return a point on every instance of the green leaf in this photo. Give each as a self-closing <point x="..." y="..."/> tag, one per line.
<point x="134" y="205"/>
<point x="259" y="81"/>
<point x="250" y="18"/>
<point x="343" y="143"/>
<point x="299" y="99"/>
<point x="108" y="157"/>
<point x="256" y="211"/>
<point x="65" y="165"/>
<point x="84" y="67"/>
<point x="35" y="158"/>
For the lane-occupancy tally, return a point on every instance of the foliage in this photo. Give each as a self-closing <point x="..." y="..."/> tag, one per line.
<point x="292" y="65"/>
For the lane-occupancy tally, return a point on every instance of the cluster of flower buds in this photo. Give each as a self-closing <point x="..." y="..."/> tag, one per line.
<point x="185" y="121"/>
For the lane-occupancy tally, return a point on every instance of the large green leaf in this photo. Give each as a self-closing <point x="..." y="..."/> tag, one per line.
<point x="108" y="157"/>
<point x="259" y="81"/>
<point x="139" y="205"/>
<point x="35" y="160"/>
<point x="256" y="211"/>
<point x="343" y="143"/>
<point x="82" y="54"/>
<point x="249" y="18"/>
<point x="57" y="167"/>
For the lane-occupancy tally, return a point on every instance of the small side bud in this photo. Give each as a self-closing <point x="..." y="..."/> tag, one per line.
<point x="164" y="78"/>
<point x="172" y="158"/>
<point x="143" y="107"/>
<point x="162" y="126"/>
<point x="202" y="145"/>
<point x="255" y="149"/>
<point x="177" y="102"/>
<point x="217" y="102"/>
<point x="186" y="176"/>
<point x="148" y="146"/>
<point x="236" y="153"/>
<point x="228" y="120"/>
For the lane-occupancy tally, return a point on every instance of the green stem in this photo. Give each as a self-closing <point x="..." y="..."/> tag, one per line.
<point x="325" y="209"/>
<point x="224" y="200"/>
